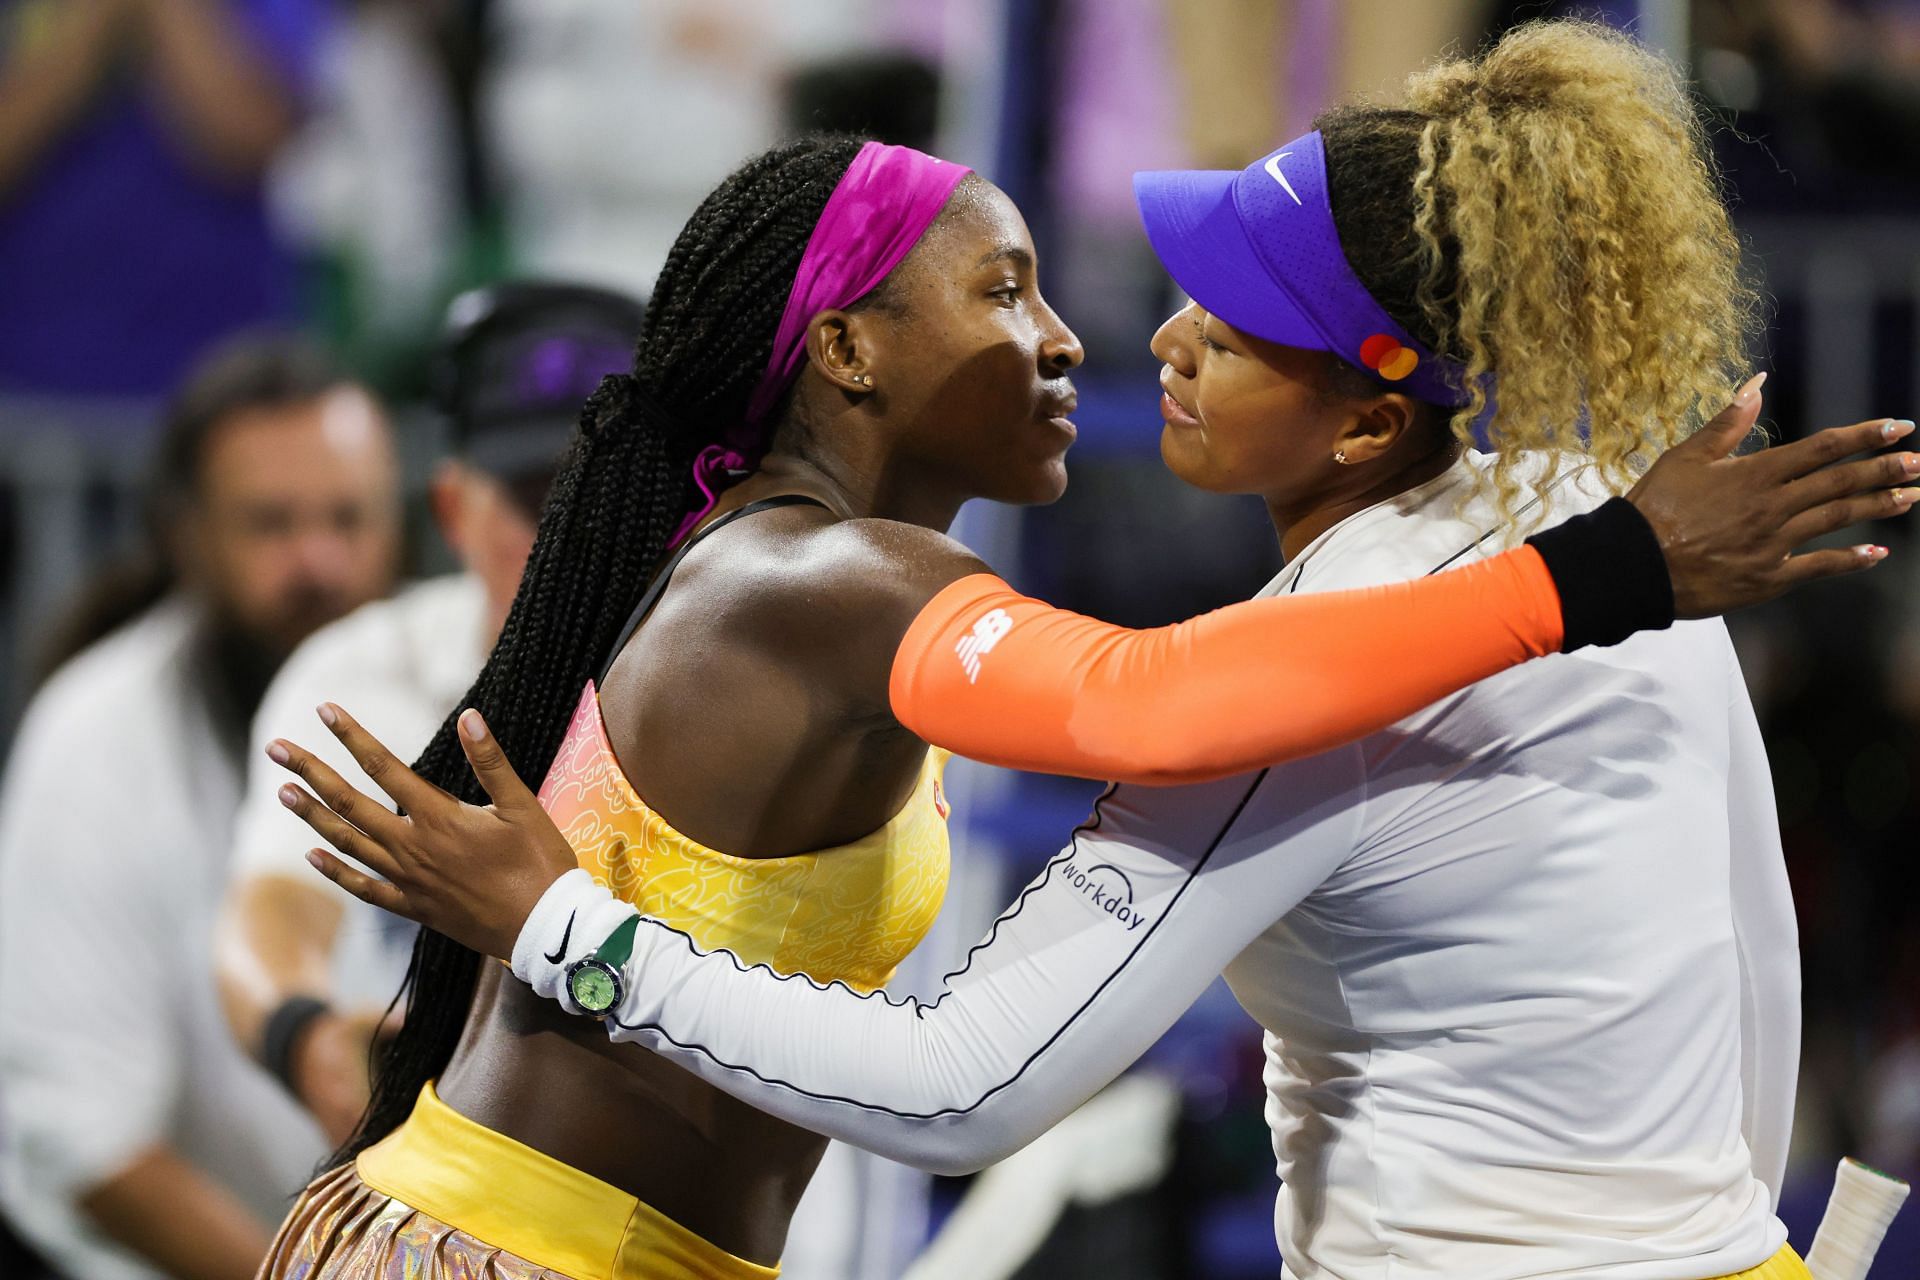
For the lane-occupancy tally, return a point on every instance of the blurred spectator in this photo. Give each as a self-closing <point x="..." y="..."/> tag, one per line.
<point x="371" y="186"/>
<point x="1833" y="84"/>
<point x="133" y="134"/>
<point x="605" y="124"/>
<point x="305" y="970"/>
<point x="138" y="1141"/>
<point x="894" y="97"/>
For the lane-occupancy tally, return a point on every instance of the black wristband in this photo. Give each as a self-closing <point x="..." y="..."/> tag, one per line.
<point x="283" y="1030"/>
<point x="1610" y="573"/>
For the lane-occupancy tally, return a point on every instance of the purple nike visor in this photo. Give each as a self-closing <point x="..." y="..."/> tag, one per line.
<point x="1257" y="247"/>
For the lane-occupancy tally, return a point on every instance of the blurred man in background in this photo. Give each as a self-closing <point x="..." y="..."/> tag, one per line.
<point x="133" y="137"/>
<point x="146" y="1144"/>
<point x="306" y="971"/>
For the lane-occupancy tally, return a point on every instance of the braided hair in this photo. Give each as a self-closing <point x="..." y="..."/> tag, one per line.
<point x="621" y="493"/>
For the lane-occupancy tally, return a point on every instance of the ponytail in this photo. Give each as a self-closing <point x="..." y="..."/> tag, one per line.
<point x="1549" y="214"/>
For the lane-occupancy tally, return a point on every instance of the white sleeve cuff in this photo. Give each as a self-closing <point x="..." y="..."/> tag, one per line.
<point x="573" y="917"/>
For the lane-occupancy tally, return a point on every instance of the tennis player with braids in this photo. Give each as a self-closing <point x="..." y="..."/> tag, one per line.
<point x="742" y="788"/>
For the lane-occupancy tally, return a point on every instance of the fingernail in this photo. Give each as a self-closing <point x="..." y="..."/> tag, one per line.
<point x="1897" y="428"/>
<point x="472" y="725"/>
<point x="1750" y="389"/>
<point x="315" y="861"/>
<point x="278" y="753"/>
<point x="1906" y="497"/>
<point x="1870" y="553"/>
<point x="1910" y="463"/>
<point x="290" y="795"/>
<point x="327" y="714"/>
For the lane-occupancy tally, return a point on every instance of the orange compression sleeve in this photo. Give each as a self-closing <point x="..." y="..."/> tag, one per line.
<point x="1000" y="677"/>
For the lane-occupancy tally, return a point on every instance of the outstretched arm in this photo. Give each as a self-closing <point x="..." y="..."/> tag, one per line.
<point x="1098" y="956"/>
<point x="228" y="103"/>
<point x="1004" y="678"/>
<point x="51" y="68"/>
<point x="1081" y="975"/>
<point x="1730" y="545"/>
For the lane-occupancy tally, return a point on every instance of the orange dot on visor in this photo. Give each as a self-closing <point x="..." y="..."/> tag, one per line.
<point x="1398" y="365"/>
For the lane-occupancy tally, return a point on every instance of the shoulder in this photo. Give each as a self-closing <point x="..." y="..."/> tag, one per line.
<point x="804" y="596"/>
<point x="813" y="570"/>
<point x="1446" y="523"/>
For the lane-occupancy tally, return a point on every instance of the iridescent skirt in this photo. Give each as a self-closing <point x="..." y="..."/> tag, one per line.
<point x="443" y="1198"/>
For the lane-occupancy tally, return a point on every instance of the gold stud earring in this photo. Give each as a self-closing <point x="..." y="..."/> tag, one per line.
<point x="866" y="379"/>
<point x="1340" y="456"/>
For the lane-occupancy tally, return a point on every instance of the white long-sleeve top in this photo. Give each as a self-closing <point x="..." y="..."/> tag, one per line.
<point x="1526" y="962"/>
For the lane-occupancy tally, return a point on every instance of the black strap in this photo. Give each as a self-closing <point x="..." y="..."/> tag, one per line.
<point x="282" y="1034"/>
<point x="1610" y="572"/>
<point x="659" y="583"/>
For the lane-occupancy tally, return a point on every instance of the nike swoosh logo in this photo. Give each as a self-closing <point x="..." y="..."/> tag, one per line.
<point x="1273" y="167"/>
<point x="559" y="953"/>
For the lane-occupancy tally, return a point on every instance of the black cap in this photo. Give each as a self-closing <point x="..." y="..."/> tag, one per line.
<point x="517" y="360"/>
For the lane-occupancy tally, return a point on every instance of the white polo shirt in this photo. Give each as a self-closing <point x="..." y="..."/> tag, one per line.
<point x="1526" y="962"/>
<point x="114" y="822"/>
<point x="400" y="665"/>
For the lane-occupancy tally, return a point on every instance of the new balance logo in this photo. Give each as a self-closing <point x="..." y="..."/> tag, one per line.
<point x="987" y="632"/>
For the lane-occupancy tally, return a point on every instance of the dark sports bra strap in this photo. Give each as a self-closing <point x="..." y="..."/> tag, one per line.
<point x="659" y="583"/>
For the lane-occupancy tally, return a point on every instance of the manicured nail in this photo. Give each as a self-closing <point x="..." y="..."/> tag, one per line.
<point x="1910" y="463"/>
<point x="1750" y="389"/>
<point x="327" y="714"/>
<point x="1870" y="553"/>
<point x="1897" y="428"/>
<point x="1906" y="497"/>
<point x="473" y="726"/>
<point x="290" y="796"/>
<point x="278" y="753"/>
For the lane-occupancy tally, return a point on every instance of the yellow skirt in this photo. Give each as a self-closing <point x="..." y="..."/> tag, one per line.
<point x="1784" y="1265"/>
<point x="443" y="1198"/>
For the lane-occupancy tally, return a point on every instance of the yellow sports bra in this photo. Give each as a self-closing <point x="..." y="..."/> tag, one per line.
<point x="851" y="913"/>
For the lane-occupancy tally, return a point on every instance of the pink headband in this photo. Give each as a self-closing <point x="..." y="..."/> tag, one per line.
<point x="884" y="203"/>
<point x="878" y="211"/>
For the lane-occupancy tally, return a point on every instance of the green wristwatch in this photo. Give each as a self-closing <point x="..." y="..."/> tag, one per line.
<point x="595" y="983"/>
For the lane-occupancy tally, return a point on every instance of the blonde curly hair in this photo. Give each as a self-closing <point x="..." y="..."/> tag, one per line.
<point x="1548" y="212"/>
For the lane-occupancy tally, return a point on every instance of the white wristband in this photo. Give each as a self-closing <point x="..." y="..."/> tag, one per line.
<point x="573" y="917"/>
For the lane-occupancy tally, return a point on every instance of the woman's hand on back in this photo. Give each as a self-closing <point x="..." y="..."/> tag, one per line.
<point x="470" y="872"/>
<point x="1729" y="526"/>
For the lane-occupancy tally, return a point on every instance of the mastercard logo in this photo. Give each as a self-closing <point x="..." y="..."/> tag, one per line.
<point x="1386" y="356"/>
